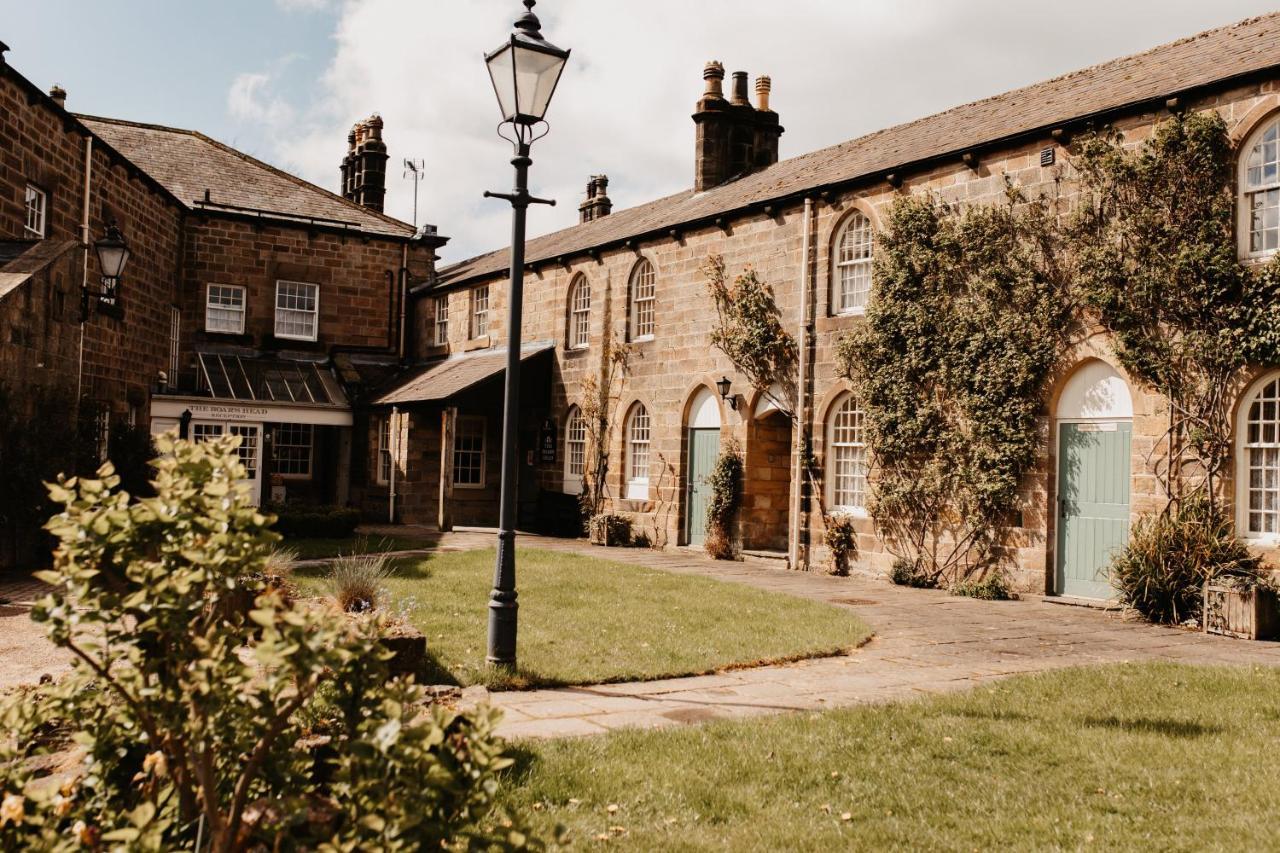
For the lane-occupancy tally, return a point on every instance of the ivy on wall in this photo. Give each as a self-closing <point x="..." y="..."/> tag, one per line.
<point x="1159" y="270"/>
<point x="970" y="314"/>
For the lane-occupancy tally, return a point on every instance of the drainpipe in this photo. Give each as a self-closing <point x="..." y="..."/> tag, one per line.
<point x="84" y="281"/>
<point x="394" y="429"/>
<point x="801" y="431"/>
<point x="404" y="294"/>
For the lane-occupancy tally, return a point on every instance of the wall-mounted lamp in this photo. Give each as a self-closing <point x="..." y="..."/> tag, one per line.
<point x="723" y="387"/>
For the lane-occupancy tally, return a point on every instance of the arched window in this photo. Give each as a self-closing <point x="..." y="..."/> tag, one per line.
<point x="575" y="451"/>
<point x="637" y="433"/>
<point x="853" y="266"/>
<point x="579" y="312"/>
<point x="1260" y="192"/>
<point x="1258" y="471"/>
<point x="643" y="280"/>
<point x="846" y="457"/>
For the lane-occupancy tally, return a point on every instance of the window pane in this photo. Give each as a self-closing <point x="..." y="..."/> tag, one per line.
<point x="1262" y="479"/>
<point x="296" y="310"/>
<point x="291" y="452"/>
<point x="468" y="452"/>
<point x="643" y="282"/>
<point x="847" y="467"/>
<point x="853" y="264"/>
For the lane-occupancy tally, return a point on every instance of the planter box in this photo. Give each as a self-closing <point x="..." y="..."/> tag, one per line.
<point x="409" y="652"/>
<point x="610" y="530"/>
<point x="1250" y="614"/>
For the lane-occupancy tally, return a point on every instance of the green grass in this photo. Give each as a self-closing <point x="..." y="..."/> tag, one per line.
<point x="315" y="549"/>
<point x="1152" y="756"/>
<point x="585" y="620"/>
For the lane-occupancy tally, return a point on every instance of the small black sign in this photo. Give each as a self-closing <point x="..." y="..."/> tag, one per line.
<point x="547" y="442"/>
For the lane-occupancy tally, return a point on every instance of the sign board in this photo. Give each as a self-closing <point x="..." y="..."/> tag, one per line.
<point x="247" y="411"/>
<point x="547" y="442"/>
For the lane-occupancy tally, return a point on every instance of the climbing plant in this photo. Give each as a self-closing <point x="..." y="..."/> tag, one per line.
<point x="725" y="481"/>
<point x="601" y="395"/>
<point x="970" y="314"/>
<point x="1158" y="269"/>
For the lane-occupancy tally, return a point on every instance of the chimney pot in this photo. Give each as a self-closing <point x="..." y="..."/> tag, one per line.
<point x="763" y="86"/>
<point x="713" y="73"/>
<point x="597" y="203"/>
<point x="59" y="95"/>
<point x="740" y="89"/>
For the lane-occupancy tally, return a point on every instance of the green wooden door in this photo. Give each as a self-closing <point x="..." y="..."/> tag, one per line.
<point x="704" y="446"/>
<point x="1093" y="505"/>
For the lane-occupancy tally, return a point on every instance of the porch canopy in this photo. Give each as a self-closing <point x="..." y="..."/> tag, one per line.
<point x="458" y="373"/>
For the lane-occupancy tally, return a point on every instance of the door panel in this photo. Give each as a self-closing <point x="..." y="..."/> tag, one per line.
<point x="1093" y="505"/>
<point x="250" y="450"/>
<point x="704" y="447"/>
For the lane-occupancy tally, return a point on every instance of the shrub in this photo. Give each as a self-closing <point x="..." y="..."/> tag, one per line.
<point x="993" y="587"/>
<point x="298" y="521"/>
<point x="725" y="480"/>
<point x="610" y="529"/>
<point x="356" y="581"/>
<point x="842" y="540"/>
<point x="1162" y="571"/>
<point x="906" y="572"/>
<point x="193" y="721"/>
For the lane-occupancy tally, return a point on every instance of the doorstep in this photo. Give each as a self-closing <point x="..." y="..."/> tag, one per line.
<point x="1076" y="601"/>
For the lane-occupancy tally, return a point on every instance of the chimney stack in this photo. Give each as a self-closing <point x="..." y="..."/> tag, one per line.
<point x="732" y="137"/>
<point x="59" y="95"/>
<point x="364" y="169"/>
<point x="597" y="203"/>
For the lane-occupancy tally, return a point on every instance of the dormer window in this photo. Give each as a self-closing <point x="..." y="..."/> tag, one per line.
<point x="36" y="212"/>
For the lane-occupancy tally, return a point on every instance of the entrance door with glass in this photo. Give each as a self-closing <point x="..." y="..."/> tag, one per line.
<point x="250" y="448"/>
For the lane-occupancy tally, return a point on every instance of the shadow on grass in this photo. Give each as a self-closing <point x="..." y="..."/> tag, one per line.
<point x="1153" y="725"/>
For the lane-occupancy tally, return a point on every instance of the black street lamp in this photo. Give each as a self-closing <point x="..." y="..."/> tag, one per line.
<point x="524" y="71"/>
<point x="113" y="254"/>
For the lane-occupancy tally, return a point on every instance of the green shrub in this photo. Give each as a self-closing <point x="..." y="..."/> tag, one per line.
<point x="725" y="480"/>
<point x="993" y="587"/>
<point x="842" y="540"/>
<point x="906" y="572"/>
<point x="1162" y="571"/>
<point x="298" y="521"/>
<point x="192" y="721"/>
<point x="356" y="581"/>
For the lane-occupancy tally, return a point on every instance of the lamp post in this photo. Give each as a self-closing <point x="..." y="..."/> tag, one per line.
<point x="525" y="70"/>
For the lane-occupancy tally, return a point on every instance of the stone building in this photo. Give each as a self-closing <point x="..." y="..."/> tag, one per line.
<point x="807" y="225"/>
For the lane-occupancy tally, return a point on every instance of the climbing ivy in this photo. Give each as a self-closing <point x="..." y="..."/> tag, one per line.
<point x="749" y="331"/>
<point x="725" y="481"/>
<point x="1158" y="269"/>
<point x="971" y="313"/>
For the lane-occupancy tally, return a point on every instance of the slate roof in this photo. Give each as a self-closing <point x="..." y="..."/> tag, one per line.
<point x="456" y="373"/>
<point x="188" y="163"/>
<point x="1211" y="57"/>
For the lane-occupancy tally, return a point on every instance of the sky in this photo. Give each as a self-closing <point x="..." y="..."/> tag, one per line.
<point x="284" y="80"/>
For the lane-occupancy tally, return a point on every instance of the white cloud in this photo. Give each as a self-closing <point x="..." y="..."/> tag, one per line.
<point x="839" y="69"/>
<point x="304" y="5"/>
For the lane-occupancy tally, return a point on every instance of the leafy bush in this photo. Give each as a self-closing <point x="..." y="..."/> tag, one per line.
<point x="298" y="521"/>
<point x="610" y="529"/>
<point x="842" y="540"/>
<point x="356" y="581"/>
<point x="906" y="572"/>
<point x="1162" y="571"/>
<point x="184" y="719"/>
<point x="993" y="587"/>
<point x="725" y="480"/>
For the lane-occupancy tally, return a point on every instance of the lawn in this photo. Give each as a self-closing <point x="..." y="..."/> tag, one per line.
<point x="1151" y="756"/>
<point x="585" y="620"/>
<point x="315" y="549"/>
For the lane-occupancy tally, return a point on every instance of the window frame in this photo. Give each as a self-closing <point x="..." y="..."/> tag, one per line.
<point x="440" y="332"/>
<point x="1243" y="448"/>
<point x="578" y="333"/>
<point x="637" y="487"/>
<point x="383" y="458"/>
<point x="1245" y="191"/>
<point x="175" y="340"/>
<point x="856" y="218"/>
<point x="831" y="453"/>
<point x="315" y="312"/>
<point x="276" y="445"/>
<point x="244" y="300"/>
<point x="644" y="265"/>
<point x="573" y="483"/>
<point x="478" y="320"/>
<point x="35" y="192"/>
<point x="479" y="424"/>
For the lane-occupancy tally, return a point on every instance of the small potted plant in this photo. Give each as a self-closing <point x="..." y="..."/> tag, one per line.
<point x="1241" y="604"/>
<point x="842" y="540"/>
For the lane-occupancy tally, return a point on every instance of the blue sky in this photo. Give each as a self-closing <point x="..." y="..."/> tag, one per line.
<point x="285" y="79"/>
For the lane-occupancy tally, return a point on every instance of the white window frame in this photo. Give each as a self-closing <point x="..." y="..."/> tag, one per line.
<point x="644" y="288"/>
<point x="579" y="336"/>
<point x="857" y="448"/>
<point x="175" y="333"/>
<point x="283" y="312"/>
<point x="277" y="444"/>
<point x="853" y="260"/>
<point x="470" y="426"/>
<point x="1253" y="181"/>
<point x="478" y="324"/>
<point x="441" y="330"/>
<point x="382" y="474"/>
<point x="36" y="201"/>
<point x="1246" y="444"/>
<point x="639" y="435"/>
<point x="224" y="291"/>
<point x="575" y="451"/>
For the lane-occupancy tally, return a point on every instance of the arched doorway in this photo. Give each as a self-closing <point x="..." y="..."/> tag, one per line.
<point x="703" y="434"/>
<point x="1094" y="422"/>
<point x="766" y="486"/>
